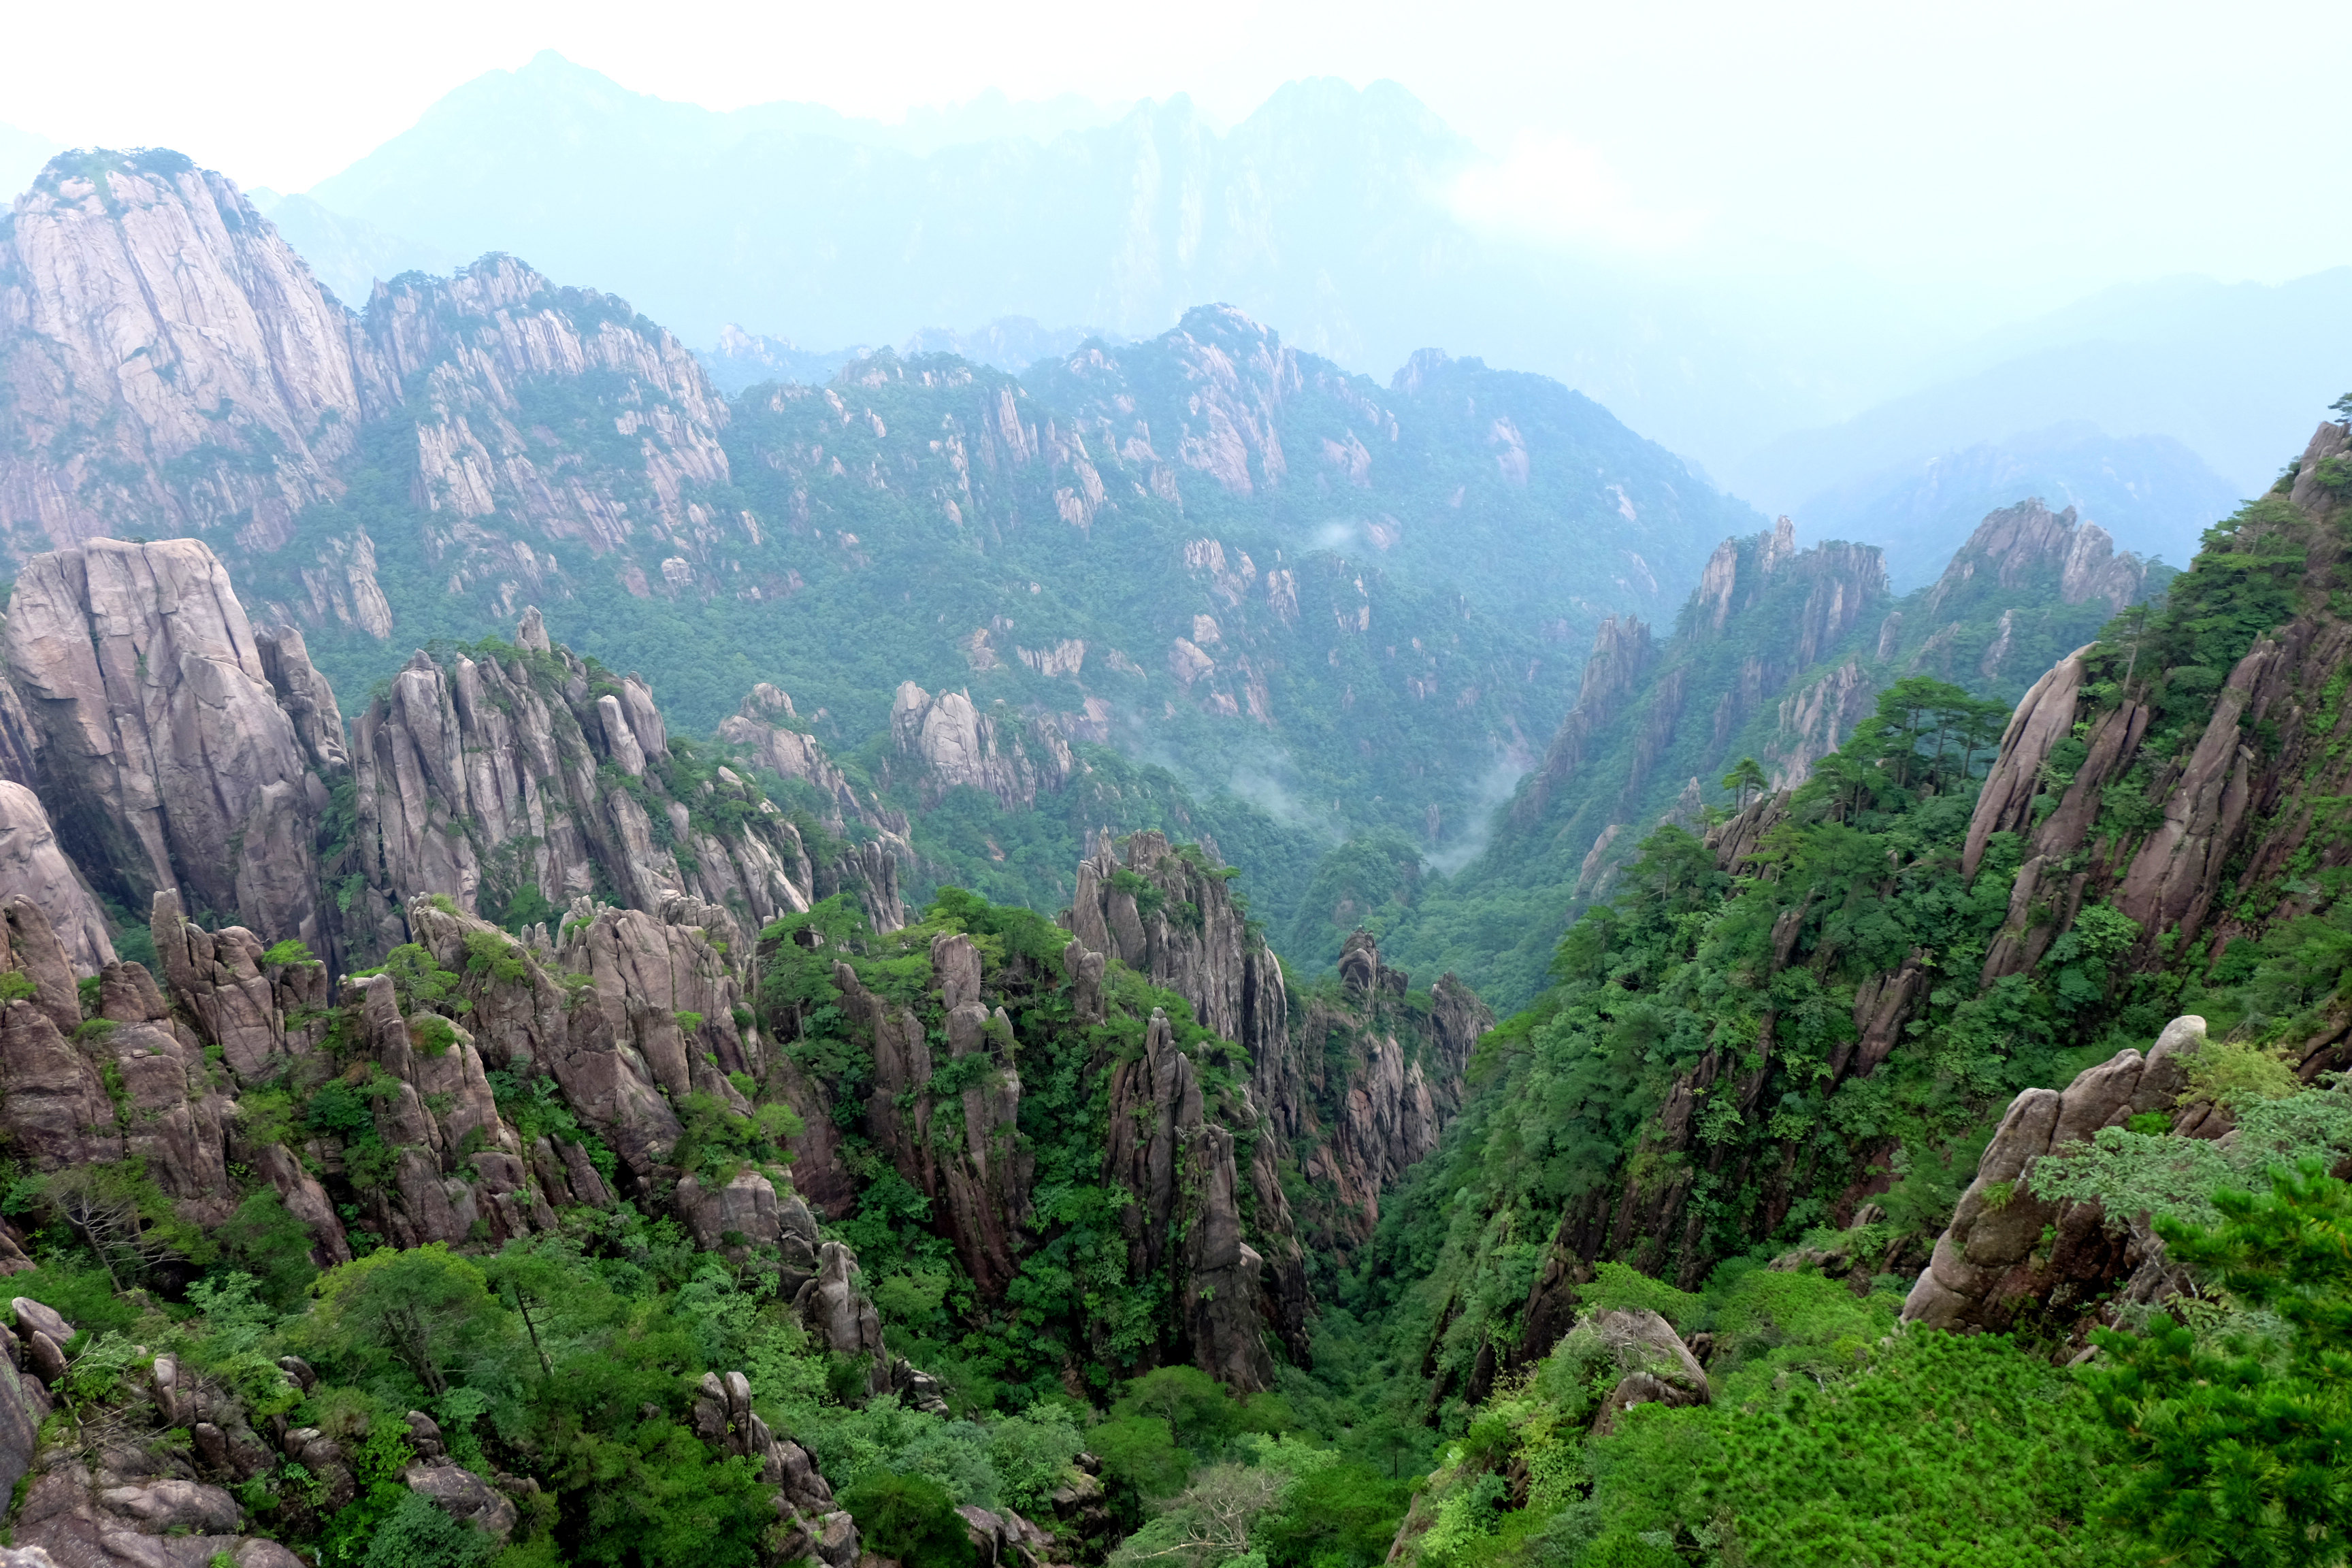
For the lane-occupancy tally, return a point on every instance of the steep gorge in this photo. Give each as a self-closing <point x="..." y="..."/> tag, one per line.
<point x="690" y="1023"/>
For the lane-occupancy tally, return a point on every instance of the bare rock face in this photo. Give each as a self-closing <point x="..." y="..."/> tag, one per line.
<point x="1179" y="1166"/>
<point x="809" y="1527"/>
<point x="833" y="1308"/>
<point x="2040" y="722"/>
<point x="166" y="758"/>
<point x="467" y="342"/>
<point x="1657" y="1367"/>
<point x="55" y="1109"/>
<point x="1992" y="1264"/>
<point x="764" y="723"/>
<point x="948" y="743"/>
<point x="241" y="1002"/>
<point x="163" y="327"/>
<point x="2016" y="542"/>
<point x="172" y="367"/>
<point x="1193" y="940"/>
<point x="485" y="781"/>
<point x="32" y="867"/>
<point x="1622" y="653"/>
<point x="464" y="1497"/>
<point x="982" y="1178"/>
<point x="1233" y="379"/>
<point x="74" y="1516"/>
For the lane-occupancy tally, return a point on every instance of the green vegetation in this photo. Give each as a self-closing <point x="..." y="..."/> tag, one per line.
<point x="1693" y="714"/>
<point x="2235" y="1422"/>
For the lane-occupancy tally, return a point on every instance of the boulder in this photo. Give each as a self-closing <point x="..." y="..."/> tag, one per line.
<point x="2006" y="1251"/>
<point x="1655" y="1366"/>
<point x="464" y="1497"/>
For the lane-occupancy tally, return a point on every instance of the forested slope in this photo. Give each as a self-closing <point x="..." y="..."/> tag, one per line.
<point x="1764" y="1071"/>
<point x="1780" y="655"/>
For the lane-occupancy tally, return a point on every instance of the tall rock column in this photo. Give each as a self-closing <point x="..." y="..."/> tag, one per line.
<point x="166" y="758"/>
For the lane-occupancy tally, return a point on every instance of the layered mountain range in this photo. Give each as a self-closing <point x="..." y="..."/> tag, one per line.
<point x="1779" y="655"/>
<point x="203" y="767"/>
<point x="798" y="1031"/>
<point x="1793" y="1037"/>
<point x="1211" y="546"/>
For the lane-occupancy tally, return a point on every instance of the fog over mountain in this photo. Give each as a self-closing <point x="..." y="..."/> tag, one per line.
<point x="1336" y="211"/>
<point x="1096" y="830"/>
<point x="1357" y="218"/>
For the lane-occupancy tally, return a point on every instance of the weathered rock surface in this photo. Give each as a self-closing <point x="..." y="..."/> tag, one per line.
<point x="165" y="757"/>
<point x="2014" y="543"/>
<point x="32" y="867"/>
<point x="1657" y="1367"/>
<point x="464" y="1497"/>
<point x="1992" y="1265"/>
<point x="175" y="365"/>
<point x="481" y="782"/>
<point x="945" y="743"/>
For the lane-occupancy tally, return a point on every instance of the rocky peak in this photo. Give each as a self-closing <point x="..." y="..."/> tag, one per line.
<point x="1841" y="577"/>
<point x="1623" y="654"/>
<point x="1214" y="402"/>
<point x="1418" y="371"/>
<point x="767" y="727"/>
<point x="166" y="752"/>
<point x="158" y="325"/>
<point x="521" y="780"/>
<point x="2007" y="1252"/>
<point x="2016" y="543"/>
<point x="172" y="367"/>
<point x="946" y="743"/>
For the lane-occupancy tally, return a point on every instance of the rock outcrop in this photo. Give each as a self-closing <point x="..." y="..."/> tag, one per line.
<point x="2014" y="543"/>
<point x="1205" y="1146"/>
<point x="765" y="728"/>
<point x="1655" y="1366"/>
<point x="2008" y="1254"/>
<point x="809" y="1527"/>
<point x="173" y="367"/>
<point x="944" y="742"/>
<point x="165" y="755"/>
<point x="524" y="782"/>
<point x="32" y="867"/>
<point x="2240" y="797"/>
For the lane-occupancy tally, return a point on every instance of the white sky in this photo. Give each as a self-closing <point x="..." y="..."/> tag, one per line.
<point x="2023" y="152"/>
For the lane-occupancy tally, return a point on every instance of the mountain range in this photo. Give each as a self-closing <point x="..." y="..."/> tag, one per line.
<point x="1183" y="954"/>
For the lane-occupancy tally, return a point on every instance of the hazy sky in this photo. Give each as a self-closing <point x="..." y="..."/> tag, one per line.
<point x="2014" y="153"/>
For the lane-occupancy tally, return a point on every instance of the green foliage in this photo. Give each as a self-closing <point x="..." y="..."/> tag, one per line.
<point x="2234" y="1075"/>
<point x="273" y="1247"/>
<point x="1935" y="1450"/>
<point x="2130" y="1172"/>
<point x="425" y="1312"/>
<point x="15" y="985"/>
<point x="420" y="983"/>
<point x="1200" y="1412"/>
<point x="418" y="1534"/>
<point x="1140" y="1451"/>
<point x="493" y="956"/>
<point x="1340" y="1515"/>
<point x="1616" y="1287"/>
<point x="655" y="1495"/>
<point x="1690" y="963"/>
<point x="2238" y="1444"/>
<point x="291" y="950"/>
<point x="908" y="1518"/>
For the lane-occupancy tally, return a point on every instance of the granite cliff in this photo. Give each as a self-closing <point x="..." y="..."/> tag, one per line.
<point x="1161" y="1033"/>
<point x="1780" y="655"/>
<point x="1210" y="544"/>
